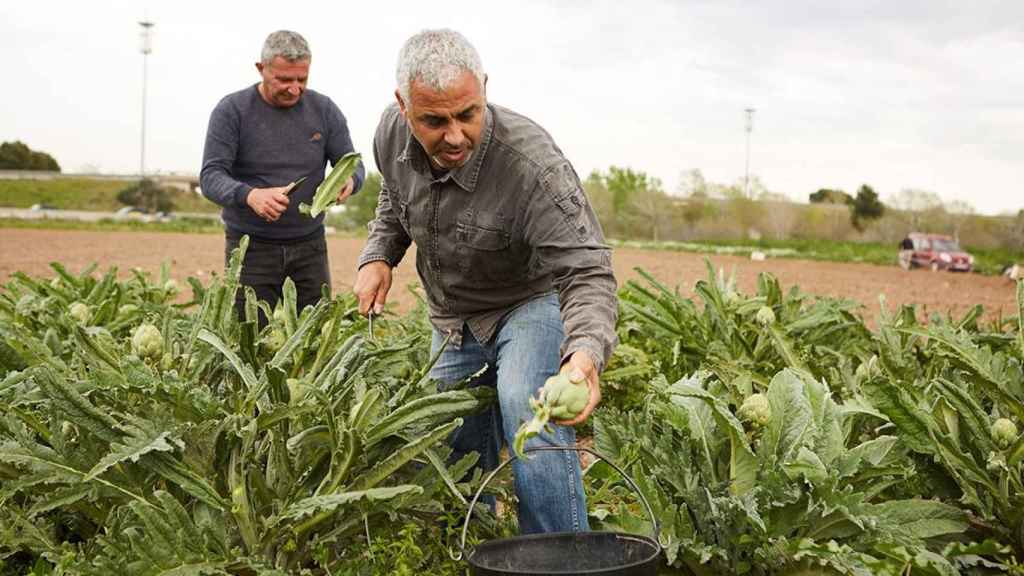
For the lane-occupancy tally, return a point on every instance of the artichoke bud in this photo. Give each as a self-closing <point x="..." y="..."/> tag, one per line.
<point x="765" y="316"/>
<point x="147" y="342"/>
<point x="561" y="392"/>
<point x="1004" y="433"/>
<point x="274" y="341"/>
<point x="80" y="312"/>
<point x="756" y="410"/>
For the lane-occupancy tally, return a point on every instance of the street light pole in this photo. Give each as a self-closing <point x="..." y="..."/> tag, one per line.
<point x="746" y="174"/>
<point x="145" y="46"/>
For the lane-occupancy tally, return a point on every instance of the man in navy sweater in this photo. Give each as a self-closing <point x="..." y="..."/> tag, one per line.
<point x="260" y="140"/>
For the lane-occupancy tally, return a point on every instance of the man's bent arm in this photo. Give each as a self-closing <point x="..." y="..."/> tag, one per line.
<point x="564" y="230"/>
<point x="387" y="239"/>
<point x="215" y="179"/>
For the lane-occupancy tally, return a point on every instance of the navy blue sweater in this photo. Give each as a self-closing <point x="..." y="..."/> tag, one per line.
<point x="251" y="144"/>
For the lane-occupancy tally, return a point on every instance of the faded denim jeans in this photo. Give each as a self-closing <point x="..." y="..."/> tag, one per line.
<point x="522" y="355"/>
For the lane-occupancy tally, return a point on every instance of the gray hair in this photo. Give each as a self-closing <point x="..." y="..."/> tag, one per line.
<point x="436" y="58"/>
<point x="287" y="44"/>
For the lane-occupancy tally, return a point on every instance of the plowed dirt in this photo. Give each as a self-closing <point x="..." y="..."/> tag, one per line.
<point x="200" y="255"/>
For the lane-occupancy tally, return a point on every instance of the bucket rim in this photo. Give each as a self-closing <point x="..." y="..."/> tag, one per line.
<point x="629" y="480"/>
<point x="656" y="550"/>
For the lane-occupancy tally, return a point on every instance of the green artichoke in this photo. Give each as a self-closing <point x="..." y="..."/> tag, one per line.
<point x="147" y="342"/>
<point x="756" y="410"/>
<point x="1004" y="433"/>
<point x="80" y="312"/>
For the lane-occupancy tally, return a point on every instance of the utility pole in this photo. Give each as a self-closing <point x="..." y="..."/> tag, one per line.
<point x="746" y="174"/>
<point x="145" y="46"/>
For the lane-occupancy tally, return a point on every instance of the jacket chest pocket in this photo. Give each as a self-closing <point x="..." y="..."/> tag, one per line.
<point x="484" y="250"/>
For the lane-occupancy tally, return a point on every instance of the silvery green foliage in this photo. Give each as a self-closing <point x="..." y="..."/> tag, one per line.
<point x="225" y="456"/>
<point x="926" y="396"/>
<point x="794" y="494"/>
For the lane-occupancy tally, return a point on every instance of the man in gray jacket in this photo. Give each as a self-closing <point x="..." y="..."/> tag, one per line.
<point x="260" y="140"/>
<point x="511" y="256"/>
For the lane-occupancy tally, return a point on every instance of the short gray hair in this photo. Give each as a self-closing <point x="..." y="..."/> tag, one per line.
<point x="287" y="44"/>
<point x="436" y="58"/>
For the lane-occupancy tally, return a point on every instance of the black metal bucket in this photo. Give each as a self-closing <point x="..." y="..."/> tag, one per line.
<point x="565" y="553"/>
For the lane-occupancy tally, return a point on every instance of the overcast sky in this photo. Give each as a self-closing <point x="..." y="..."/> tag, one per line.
<point x="896" y="94"/>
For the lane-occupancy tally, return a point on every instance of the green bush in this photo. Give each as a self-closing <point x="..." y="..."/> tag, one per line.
<point x="17" y="156"/>
<point x="147" y="196"/>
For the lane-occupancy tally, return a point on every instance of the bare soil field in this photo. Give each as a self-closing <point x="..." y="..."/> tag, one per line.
<point x="201" y="255"/>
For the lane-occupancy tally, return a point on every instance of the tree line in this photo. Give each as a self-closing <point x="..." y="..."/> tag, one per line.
<point x="632" y="205"/>
<point x="18" y="156"/>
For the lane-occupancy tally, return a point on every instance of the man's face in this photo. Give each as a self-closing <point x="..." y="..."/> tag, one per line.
<point x="448" y="123"/>
<point x="283" y="81"/>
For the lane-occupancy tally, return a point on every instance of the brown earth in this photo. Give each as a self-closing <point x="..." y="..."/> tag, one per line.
<point x="200" y="255"/>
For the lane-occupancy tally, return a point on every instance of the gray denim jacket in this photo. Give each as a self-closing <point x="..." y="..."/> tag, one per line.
<point x="511" y="224"/>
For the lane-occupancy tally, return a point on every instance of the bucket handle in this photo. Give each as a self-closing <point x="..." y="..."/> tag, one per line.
<point x="465" y="527"/>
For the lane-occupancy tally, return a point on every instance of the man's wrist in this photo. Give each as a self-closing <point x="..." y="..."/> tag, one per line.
<point x="242" y="195"/>
<point x="589" y="350"/>
<point x="365" y="260"/>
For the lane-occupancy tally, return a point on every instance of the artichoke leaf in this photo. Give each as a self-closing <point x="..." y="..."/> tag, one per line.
<point x="327" y="192"/>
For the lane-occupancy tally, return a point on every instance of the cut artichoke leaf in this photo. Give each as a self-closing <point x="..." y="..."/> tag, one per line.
<point x="327" y="192"/>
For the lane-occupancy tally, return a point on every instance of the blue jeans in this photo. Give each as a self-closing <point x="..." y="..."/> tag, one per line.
<point x="523" y="352"/>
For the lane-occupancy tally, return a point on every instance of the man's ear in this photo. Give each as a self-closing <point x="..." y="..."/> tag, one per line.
<point x="401" y="103"/>
<point x="259" y="67"/>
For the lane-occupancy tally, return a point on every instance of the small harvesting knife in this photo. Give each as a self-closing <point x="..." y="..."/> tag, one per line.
<point x="293" y="185"/>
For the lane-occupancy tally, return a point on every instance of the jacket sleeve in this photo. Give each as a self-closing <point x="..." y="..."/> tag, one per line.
<point x="387" y="239"/>
<point x="219" y="152"/>
<point x="566" y="235"/>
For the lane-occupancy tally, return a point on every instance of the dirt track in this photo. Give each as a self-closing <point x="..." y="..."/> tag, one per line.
<point x="199" y="255"/>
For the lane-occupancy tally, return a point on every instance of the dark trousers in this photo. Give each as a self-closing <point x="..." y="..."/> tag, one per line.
<point x="266" y="266"/>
